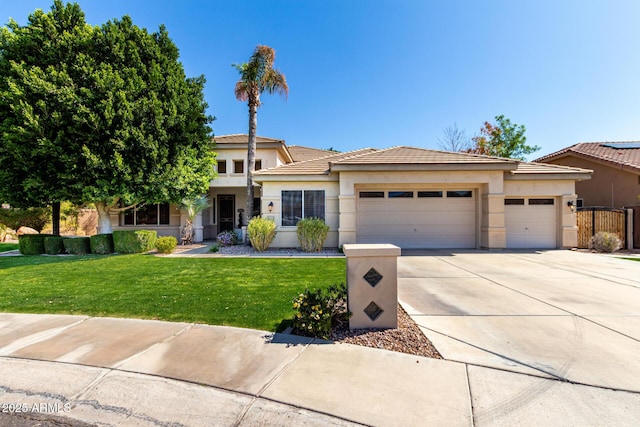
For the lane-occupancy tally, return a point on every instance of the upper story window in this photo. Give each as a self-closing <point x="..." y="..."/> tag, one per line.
<point x="157" y="214"/>
<point x="238" y="166"/>
<point x="222" y="166"/>
<point x="258" y="165"/>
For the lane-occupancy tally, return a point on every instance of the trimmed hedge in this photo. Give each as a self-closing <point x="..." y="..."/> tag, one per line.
<point x="166" y="244"/>
<point x="77" y="245"/>
<point x="53" y="245"/>
<point x="134" y="241"/>
<point x="32" y="244"/>
<point x="101" y="243"/>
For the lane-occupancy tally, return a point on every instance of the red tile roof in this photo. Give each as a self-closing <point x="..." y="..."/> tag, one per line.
<point x="624" y="155"/>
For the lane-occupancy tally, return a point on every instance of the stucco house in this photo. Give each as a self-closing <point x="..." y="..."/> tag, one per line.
<point x="615" y="181"/>
<point x="408" y="196"/>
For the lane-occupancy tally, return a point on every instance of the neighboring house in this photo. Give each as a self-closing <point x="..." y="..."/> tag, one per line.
<point x="412" y="197"/>
<point x="615" y="181"/>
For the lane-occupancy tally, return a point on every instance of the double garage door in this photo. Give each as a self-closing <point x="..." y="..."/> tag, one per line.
<point x="447" y="219"/>
<point x="417" y="219"/>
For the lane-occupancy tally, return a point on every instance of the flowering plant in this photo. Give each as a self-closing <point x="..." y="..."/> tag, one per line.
<point x="317" y="311"/>
<point x="227" y="238"/>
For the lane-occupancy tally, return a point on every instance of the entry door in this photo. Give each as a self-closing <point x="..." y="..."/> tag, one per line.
<point x="227" y="207"/>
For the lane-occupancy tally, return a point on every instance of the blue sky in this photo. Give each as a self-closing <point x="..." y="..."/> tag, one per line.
<point x="377" y="73"/>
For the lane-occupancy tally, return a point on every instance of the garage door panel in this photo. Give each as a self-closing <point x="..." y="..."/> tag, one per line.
<point x="436" y="222"/>
<point x="531" y="226"/>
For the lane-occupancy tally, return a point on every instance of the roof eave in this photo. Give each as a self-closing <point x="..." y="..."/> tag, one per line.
<point x="296" y="177"/>
<point x="412" y="167"/>
<point x="547" y="176"/>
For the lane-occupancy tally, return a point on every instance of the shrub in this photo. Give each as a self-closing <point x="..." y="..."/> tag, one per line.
<point x="35" y="218"/>
<point x="227" y="238"/>
<point x="101" y="243"/>
<point x="166" y="244"/>
<point x="134" y="241"/>
<point x="53" y="245"/>
<point x="261" y="232"/>
<point x="312" y="232"/>
<point x="32" y="244"/>
<point x="77" y="245"/>
<point x="214" y="248"/>
<point x="605" y="242"/>
<point x="318" y="311"/>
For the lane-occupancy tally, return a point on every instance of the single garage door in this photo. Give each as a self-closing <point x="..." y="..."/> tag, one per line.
<point x="531" y="222"/>
<point x="417" y="219"/>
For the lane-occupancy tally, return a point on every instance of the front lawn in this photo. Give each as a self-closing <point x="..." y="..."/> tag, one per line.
<point x="245" y="292"/>
<point x="5" y="247"/>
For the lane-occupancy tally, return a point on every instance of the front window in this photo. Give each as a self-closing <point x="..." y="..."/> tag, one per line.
<point x="298" y="204"/>
<point x="222" y="167"/>
<point x="157" y="214"/>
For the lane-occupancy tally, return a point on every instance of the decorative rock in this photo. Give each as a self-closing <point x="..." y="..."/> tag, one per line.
<point x="26" y="230"/>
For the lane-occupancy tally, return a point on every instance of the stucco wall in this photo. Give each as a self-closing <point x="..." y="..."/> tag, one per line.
<point x="608" y="186"/>
<point x="286" y="237"/>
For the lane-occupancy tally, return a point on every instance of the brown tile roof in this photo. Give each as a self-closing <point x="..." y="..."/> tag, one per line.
<point x="620" y="154"/>
<point x="318" y="166"/>
<point x="300" y="153"/>
<point x="546" y="168"/>
<point x="241" y="138"/>
<point x="414" y="155"/>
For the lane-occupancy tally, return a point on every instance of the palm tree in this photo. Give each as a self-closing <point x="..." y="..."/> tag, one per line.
<point x="257" y="76"/>
<point x="192" y="207"/>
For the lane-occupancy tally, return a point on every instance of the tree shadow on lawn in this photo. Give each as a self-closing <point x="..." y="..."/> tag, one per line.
<point x="8" y="262"/>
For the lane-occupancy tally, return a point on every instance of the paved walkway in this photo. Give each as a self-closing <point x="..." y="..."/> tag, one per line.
<point x="517" y="355"/>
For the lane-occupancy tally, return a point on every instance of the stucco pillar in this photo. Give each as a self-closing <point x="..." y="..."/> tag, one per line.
<point x="372" y="285"/>
<point x="493" y="233"/>
<point x="198" y="229"/>
<point x="569" y="227"/>
<point x="347" y="220"/>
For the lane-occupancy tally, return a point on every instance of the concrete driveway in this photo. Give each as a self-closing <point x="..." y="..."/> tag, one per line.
<point x="543" y="334"/>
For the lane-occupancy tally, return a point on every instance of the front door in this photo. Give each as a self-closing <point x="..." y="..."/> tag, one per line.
<point x="227" y="206"/>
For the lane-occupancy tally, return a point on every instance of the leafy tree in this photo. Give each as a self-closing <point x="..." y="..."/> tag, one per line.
<point x="454" y="139"/>
<point x="502" y="139"/>
<point x="256" y="77"/>
<point x="113" y="121"/>
<point x="36" y="94"/>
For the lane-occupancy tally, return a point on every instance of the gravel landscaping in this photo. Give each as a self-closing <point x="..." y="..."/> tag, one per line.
<point x="408" y="338"/>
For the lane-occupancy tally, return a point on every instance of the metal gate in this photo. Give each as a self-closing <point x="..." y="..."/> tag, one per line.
<point x="594" y="219"/>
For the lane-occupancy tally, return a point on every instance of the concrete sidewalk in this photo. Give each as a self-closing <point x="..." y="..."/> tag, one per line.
<point x="135" y="372"/>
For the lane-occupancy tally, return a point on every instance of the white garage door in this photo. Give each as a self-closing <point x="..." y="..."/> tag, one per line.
<point x="417" y="219"/>
<point x="530" y="222"/>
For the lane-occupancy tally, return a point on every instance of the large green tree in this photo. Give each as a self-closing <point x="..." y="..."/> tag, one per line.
<point x="502" y="139"/>
<point x="114" y="122"/>
<point x="256" y="77"/>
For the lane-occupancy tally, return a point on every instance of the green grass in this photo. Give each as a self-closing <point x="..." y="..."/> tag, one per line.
<point x="5" y="247"/>
<point x="245" y="292"/>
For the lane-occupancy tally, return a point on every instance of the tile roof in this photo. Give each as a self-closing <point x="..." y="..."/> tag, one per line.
<point x="546" y="168"/>
<point x="241" y="138"/>
<point x="627" y="158"/>
<point x="414" y="155"/>
<point x="319" y="166"/>
<point x="300" y="153"/>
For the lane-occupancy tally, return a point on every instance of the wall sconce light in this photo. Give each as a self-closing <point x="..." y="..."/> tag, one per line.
<point x="270" y="206"/>
<point x="571" y="205"/>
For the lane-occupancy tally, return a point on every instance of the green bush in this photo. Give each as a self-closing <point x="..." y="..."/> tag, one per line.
<point x="261" y="232"/>
<point x="312" y="232"/>
<point x="606" y="242"/>
<point x="166" y="244"/>
<point x="101" y="244"/>
<point x="134" y="241"/>
<point x="214" y="248"/>
<point x="53" y="245"/>
<point x="32" y="244"/>
<point x="317" y="311"/>
<point x="77" y="245"/>
<point x="35" y="218"/>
